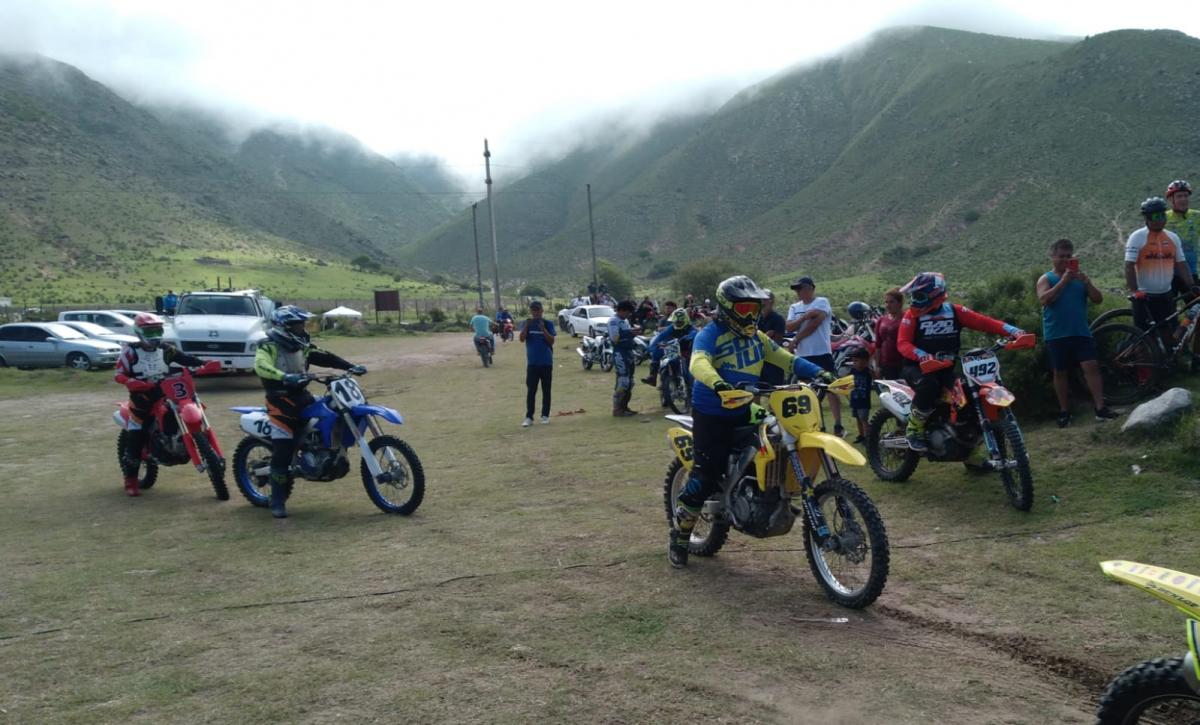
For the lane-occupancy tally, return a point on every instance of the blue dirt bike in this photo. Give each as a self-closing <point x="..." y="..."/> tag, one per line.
<point x="337" y="422"/>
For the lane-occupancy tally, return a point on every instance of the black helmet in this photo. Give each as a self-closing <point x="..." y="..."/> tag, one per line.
<point x="859" y="310"/>
<point x="734" y="308"/>
<point x="1154" y="205"/>
<point x="1178" y="185"/>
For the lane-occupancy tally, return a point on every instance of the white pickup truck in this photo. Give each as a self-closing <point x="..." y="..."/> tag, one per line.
<point x="224" y="326"/>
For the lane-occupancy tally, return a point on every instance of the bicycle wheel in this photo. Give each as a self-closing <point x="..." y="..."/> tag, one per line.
<point x="1131" y="362"/>
<point x="1123" y="315"/>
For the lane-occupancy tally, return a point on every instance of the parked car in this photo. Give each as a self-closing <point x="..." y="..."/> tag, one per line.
<point x="51" y="344"/>
<point x="114" y="321"/>
<point x="96" y="332"/>
<point x="223" y="326"/>
<point x="588" y="320"/>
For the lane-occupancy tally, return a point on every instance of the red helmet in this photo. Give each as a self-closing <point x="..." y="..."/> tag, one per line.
<point x="149" y="328"/>
<point x="926" y="291"/>
<point x="1178" y="185"/>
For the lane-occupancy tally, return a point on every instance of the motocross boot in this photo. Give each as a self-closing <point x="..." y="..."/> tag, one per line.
<point x="652" y="378"/>
<point x="131" y="486"/>
<point x="681" y="533"/>
<point x="916" y="430"/>
<point x="281" y="488"/>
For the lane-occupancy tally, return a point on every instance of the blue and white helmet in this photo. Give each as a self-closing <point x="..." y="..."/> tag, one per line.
<point x="285" y="331"/>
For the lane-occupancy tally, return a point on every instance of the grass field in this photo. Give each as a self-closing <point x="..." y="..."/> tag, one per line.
<point x="532" y="584"/>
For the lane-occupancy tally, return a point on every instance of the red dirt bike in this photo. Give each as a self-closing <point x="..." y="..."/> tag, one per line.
<point x="973" y="420"/>
<point x="177" y="432"/>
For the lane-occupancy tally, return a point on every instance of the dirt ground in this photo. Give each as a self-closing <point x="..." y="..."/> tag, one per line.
<point x="531" y="585"/>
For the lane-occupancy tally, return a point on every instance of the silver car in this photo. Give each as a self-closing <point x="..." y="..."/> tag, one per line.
<point x="98" y="332"/>
<point x="114" y="321"/>
<point x="51" y="344"/>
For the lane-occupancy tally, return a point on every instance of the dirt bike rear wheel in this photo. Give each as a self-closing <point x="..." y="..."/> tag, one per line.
<point x="708" y="536"/>
<point x="889" y="464"/>
<point x="1019" y="487"/>
<point x="214" y="466"/>
<point x="606" y="361"/>
<point x="404" y="494"/>
<point x="1155" y="691"/>
<point x="147" y="471"/>
<point x="854" y="571"/>
<point x="252" y="453"/>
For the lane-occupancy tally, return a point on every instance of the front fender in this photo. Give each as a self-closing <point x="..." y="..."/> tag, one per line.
<point x="834" y="446"/>
<point x="192" y="416"/>
<point x="387" y="414"/>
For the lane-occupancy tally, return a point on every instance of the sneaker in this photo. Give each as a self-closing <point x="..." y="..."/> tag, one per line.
<point x="625" y="413"/>
<point x="860" y="439"/>
<point x="1064" y="419"/>
<point x="1106" y="413"/>
<point x="677" y="549"/>
<point x="651" y="381"/>
<point x="545" y="420"/>
<point x="527" y="422"/>
<point x="839" y="431"/>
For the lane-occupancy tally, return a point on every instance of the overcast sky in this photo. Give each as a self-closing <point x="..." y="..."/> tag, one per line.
<point x="436" y="77"/>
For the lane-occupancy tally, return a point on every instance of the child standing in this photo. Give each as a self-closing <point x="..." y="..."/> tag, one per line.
<point x="860" y="397"/>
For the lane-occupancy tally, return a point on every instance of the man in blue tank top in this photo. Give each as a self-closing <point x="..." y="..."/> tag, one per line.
<point x="1064" y="293"/>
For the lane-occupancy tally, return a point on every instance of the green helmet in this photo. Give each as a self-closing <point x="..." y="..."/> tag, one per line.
<point x="739" y="304"/>
<point x="679" y="319"/>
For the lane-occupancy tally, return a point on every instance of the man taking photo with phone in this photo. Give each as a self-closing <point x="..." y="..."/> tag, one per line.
<point x="1064" y="293"/>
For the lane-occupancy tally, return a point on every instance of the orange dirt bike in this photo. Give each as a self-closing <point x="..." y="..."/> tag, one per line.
<point x="972" y="424"/>
<point x="783" y="468"/>
<point x="1158" y="690"/>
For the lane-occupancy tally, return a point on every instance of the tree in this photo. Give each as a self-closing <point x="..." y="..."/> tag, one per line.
<point x="533" y="290"/>
<point x="661" y="269"/>
<point x="620" y="286"/>
<point x="702" y="276"/>
<point x="364" y="262"/>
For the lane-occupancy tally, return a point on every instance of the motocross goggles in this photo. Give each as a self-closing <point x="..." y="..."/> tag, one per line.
<point x="748" y="308"/>
<point x="151" y="333"/>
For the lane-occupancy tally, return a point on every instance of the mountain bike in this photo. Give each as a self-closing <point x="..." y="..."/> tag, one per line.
<point x="1133" y="362"/>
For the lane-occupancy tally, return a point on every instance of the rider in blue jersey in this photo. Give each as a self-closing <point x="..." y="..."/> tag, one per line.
<point x="728" y="351"/>
<point x="680" y="328"/>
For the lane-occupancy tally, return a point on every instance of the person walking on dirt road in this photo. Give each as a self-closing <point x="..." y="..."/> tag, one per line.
<point x="537" y="333"/>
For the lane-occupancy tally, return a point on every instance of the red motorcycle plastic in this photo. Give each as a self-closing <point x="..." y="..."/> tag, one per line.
<point x="177" y="432"/>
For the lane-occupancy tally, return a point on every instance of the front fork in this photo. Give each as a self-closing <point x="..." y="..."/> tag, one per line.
<point x="812" y="510"/>
<point x="377" y="472"/>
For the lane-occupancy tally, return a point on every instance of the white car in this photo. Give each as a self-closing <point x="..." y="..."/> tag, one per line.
<point x="52" y="344"/>
<point x="224" y="326"/>
<point x="588" y="319"/>
<point x="97" y="332"/>
<point x="114" y="321"/>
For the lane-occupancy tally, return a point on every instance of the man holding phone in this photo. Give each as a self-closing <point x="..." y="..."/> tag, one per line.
<point x="1064" y="293"/>
<point x="538" y="335"/>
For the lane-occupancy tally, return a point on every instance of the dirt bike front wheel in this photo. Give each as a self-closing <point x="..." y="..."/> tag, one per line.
<point x="1156" y="691"/>
<point x="606" y="362"/>
<point x="214" y="466"/>
<point x="678" y="396"/>
<point x="708" y="536"/>
<point x="1018" y="483"/>
<point x="852" y="564"/>
<point x="147" y="471"/>
<point x="251" y="455"/>
<point x="401" y="494"/>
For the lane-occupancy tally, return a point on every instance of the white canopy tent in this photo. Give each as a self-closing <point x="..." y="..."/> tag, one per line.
<point x="342" y="312"/>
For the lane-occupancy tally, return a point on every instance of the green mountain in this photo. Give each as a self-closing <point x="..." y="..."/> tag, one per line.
<point x="925" y="147"/>
<point x="96" y="192"/>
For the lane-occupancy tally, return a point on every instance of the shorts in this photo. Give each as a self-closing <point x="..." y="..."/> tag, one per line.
<point x="825" y="362"/>
<point x="1156" y="307"/>
<point x="1067" y="352"/>
<point x="860" y="404"/>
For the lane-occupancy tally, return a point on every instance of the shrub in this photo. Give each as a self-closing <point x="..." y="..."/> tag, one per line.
<point x="661" y="270"/>
<point x="533" y="290"/>
<point x="436" y="315"/>
<point x="701" y="277"/>
<point x="971" y="216"/>
<point x="365" y="263"/>
<point x="620" y="286"/>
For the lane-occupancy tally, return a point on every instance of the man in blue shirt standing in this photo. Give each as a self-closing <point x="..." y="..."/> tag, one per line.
<point x="621" y="333"/>
<point x="538" y="335"/>
<point x="1064" y="293"/>
<point x="170" y="302"/>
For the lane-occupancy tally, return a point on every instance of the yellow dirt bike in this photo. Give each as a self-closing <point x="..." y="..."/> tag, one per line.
<point x="1158" y="690"/>
<point x="769" y="482"/>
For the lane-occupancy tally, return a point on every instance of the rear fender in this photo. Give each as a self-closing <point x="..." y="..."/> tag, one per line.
<point x="895" y="406"/>
<point x="256" y="422"/>
<point x="834" y="446"/>
<point x="680" y="440"/>
<point x="1177" y="588"/>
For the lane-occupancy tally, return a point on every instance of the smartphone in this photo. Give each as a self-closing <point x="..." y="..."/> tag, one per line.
<point x="1073" y="264"/>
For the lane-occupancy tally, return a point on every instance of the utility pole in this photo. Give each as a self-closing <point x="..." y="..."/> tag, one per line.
<point x="478" y="271"/>
<point x="592" y="229"/>
<point x="487" y="163"/>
